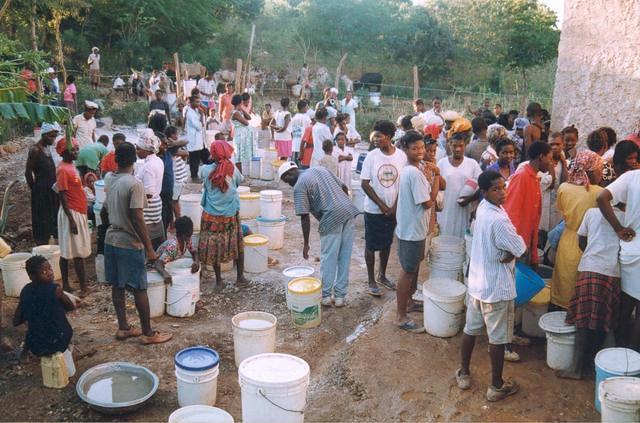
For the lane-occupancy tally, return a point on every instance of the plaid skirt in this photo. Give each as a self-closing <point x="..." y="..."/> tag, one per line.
<point x="220" y="239"/>
<point x="596" y="302"/>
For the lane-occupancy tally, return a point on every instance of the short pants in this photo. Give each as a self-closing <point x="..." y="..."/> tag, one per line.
<point x="125" y="266"/>
<point x="410" y="254"/>
<point x="498" y="318"/>
<point x="378" y="231"/>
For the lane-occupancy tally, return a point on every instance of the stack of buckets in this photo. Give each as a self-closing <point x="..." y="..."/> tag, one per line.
<point x="266" y="164"/>
<point x="446" y="257"/>
<point x="617" y="394"/>
<point x="271" y="221"/>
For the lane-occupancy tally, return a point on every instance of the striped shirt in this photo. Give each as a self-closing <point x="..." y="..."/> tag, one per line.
<point x="150" y="174"/>
<point x="180" y="172"/>
<point x="493" y="236"/>
<point x="320" y="193"/>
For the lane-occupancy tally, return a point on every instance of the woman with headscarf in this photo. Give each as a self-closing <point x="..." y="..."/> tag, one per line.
<point x="220" y="229"/>
<point x="575" y="197"/>
<point x="40" y="174"/>
<point x="150" y="173"/>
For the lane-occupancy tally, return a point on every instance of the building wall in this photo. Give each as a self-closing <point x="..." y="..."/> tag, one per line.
<point x="598" y="75"/>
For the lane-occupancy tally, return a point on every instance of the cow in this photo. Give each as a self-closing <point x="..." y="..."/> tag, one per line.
<point x="369" y="81"/>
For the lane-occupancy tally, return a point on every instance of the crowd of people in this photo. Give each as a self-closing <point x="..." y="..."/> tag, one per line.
<point x="517" y="187"/>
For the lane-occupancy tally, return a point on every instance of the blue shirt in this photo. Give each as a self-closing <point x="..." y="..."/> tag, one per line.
<point x="216" y="202"/>
<point x="167" y="176"/>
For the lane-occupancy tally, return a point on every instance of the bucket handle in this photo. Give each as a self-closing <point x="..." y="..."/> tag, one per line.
<point x="179" y="299"/>
<point x="263" y="395"/>
<point x="443" y="310"/>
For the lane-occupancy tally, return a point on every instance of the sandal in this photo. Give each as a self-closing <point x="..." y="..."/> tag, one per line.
<point x="132" y="332"/>
<point x="387" y="284"/>
<point x="156" y="338"/>
<point x="374" y="291"/>
<point x="411" y="326"/>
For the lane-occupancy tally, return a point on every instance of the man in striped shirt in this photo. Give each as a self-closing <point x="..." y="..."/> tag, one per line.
<point x="318" y="192"/>
<point x="491" y="286"/>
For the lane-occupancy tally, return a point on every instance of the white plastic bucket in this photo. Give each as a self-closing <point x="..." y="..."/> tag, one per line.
<point x="446" y="257"/>
<point x="443" y="306"/>
<point x="190" y="206"/>
<point x="101" y="195"/>
<point x="254" y="170"/>
<point x="181" y="276"/>
<point x="266" y="170"/>
<point x="254" y="332"/>
<point x="157" y="293"/>
<point x="437" y="273"/>
<point x="14" y="273"/>
<point x="560" y="340"/>
<point x="249" y="205"/>
<point x="197" y="376"/>
<point x="200" y="414"/>
<point x="97" y="208"/>
<point x="100" y="273"/>
<point x="303" y="298"/>
<point x="274" y="388"/>
<point x="612" y="362"/>
<point x="533" y="311"/>
<point x="52" y="254"/>
<point x="271" y="204"/>
<point x="273" y="229"/>
<point x="243" y="189"/>
<point x="255" y="253"/>
<point x="357" y="195"/>
<point x="620" y="399"/>
<point x="180" y="302"/>
<point x="270" y="154"/>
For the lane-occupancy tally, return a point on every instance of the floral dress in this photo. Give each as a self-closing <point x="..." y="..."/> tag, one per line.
<point x="243" y="141"/>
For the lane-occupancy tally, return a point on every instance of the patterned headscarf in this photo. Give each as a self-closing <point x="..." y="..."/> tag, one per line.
<point x="221" y="153"/>
<point x="433" y="131"/>
<point x="148" y="141"/>
<point x="50" y="127"/>
<point x="585" y="161"/>
<point x="61" y="146"/>
<point x="459" y="125"/>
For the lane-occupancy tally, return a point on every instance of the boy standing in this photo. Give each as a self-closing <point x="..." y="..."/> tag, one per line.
<point x="414" y="200"/>
<point x="328" y="161"/>
<point x="491" y="286"/>
<point x="299" y="123"/>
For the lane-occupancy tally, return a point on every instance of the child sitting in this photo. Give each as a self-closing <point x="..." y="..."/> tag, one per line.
<point x="176" y="248"/>
<point x="43" y="305"/>
<point x="329" y="161"/>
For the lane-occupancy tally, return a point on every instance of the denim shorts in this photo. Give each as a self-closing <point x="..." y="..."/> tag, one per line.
<point x="410" y="254"/>
<point x="125" y="267"/>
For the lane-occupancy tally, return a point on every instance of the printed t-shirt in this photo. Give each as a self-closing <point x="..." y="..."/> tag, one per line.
<point x="383" y="173"/>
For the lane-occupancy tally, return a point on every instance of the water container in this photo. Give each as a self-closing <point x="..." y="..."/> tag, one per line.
<point x="52" y="254"/>
<point x="528" y="283"/>
<point x="242" y="189"/>
<point x="14" y="273"/>
<point x="533" y="311"/>
<point x="55" y="373"/>
<point x="361" y="158"/>
<point x="443" y="306"/>
<point x="273" y="229"/>
<point x="180" y="302"/>
<point x="266" y="170"/>
<point x="190" y="206"/>
<point x="303" y="298"/>
<point x="611" y="362"/>
<point x="181" y="276"/>
<point x="249" y="205"/>
<point x="560" y="340"/>
<point x="446" y="257"/>
<point x="97" y="208"/>
<point x="254" y="332"/>
<point x="620" y="399"/>
<point x="157" y="293"/>
<point x="101" y="195"/>
<point x="200" y="414"/>
<point x="197" y="376"/>
<point x="254" y="171"/>
<point x="274" y="388"/>
<point x="255" y="253"/>
<point x="271" y="204"/>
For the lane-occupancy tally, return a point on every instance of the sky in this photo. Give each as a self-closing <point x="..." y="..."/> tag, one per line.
<point x="558" y="7"/>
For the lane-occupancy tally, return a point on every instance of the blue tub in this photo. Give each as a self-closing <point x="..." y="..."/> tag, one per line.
<point x="528" y="283"/>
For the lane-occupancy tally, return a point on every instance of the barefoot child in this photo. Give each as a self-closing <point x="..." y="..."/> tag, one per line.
<point x="176" y="248"/>
<point x="43" y="305"/>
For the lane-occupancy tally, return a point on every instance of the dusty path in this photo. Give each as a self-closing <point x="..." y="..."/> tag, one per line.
<point x="362" y="367"/>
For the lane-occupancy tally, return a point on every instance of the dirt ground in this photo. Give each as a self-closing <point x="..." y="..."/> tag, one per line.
<point x="362" y="367"/>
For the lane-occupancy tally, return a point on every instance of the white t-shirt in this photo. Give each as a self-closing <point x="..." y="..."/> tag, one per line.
<point x="94" y="61"/>
<point x="206" y="86"/>
<point x="280" y="117"/>
<point x="84" y="129"/>
<point x="601" y="254"/>
<point x="118" y="83"/>
<point x="625" y="190"/>
<point x="412" y="217"/>
<point x="454" y="219"/>
<point x="383" y="172"/>
<point x="299" y="123"/>
<point x="320" y="132"/>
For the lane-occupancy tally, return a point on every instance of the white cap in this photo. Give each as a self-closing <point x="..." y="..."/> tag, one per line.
<point x="285" y="167"/>
<point x="50" y="70"/>
<point x="91" y="105"/>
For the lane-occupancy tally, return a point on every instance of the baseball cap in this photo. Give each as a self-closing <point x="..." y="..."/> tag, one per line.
<point x="285" y="167"/>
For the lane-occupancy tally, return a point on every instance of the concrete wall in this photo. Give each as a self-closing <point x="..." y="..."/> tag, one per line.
<point x="598" y="76"/>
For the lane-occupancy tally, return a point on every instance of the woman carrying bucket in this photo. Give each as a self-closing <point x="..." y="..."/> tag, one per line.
<point x="220" y="230"/>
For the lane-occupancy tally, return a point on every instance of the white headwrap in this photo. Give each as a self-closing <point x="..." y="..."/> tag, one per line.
<point x="148" y="141"/>
<point x="50" y="127"/>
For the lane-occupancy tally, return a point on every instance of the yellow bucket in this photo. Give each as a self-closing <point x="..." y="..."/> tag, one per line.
<point x="255" y="240"/>
<point x="542" y="298"/>
<point x="54" y="371"/>
<point x="303" y="298"/>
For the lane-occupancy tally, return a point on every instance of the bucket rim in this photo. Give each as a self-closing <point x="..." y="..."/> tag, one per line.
<point x="281" y="219"/>
<point x="184" y="353"/>
<point x="271" y="194"/>
<point x="249" y="196"/>
<point x="256" y="240"/>
<point x="457" y="285"/>
<point x="245" y="371"/>
<point x="189" y="410"/>
<point x="553" y="322"/>
<point x="616" y="397"/>
<point x="312" y="290"/>
<point x="634" y="358"/>
<point x="235" y="320"/>
<point x="289" y="270"/>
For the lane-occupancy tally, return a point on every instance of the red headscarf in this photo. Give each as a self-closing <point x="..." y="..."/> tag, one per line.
<point x="221" y="153"/>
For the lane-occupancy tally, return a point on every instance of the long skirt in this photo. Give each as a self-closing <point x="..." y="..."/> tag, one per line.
<point x="596" y="302"/>
<point x="220" y="239"/>
<point x="44" y="214"/>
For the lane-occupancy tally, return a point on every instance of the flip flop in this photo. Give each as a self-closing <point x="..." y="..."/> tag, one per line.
<point x="387" y="284"/>
<point x="411" y="326"/>
<point x="132" y="332"/>
<point x="375" y="292"/>
<point x="156" y="338"/>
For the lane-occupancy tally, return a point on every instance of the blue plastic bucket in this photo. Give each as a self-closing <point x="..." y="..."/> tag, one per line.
<point x="360" y="162"/>
<point x="528" y="283"/>
<point x="612" y="362"/>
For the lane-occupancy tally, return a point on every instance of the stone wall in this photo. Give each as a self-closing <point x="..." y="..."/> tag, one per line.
<point x="598" y="75"/>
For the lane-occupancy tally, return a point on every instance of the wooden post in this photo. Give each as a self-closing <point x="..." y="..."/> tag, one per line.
<point x="248" y="74"/>
<point x="176" y="63"/>
<point x="339" y="70"/>
<point x="238" y="75"/>
<point x="416" y="83"/>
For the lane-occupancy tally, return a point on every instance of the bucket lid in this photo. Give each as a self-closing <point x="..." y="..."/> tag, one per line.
<point x="195" y="359"/>
<point x="255" y="240"/>
<point x="298" y="271"/>
<point x="618" y="361"/>
<point x="249" y="196"/>
<point x="443" y="288"/>
<point x="542" y="298"/>
<point x="274" y="369"/>
<point x="200" y="414"/>
<point x="271" y="194"/>
<point x="282" y="218"/>
<point x="304" y="285"/>
<point x="554" y="322"/>
<point x="625" y="390"/>
<point x="16" y="258"/>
